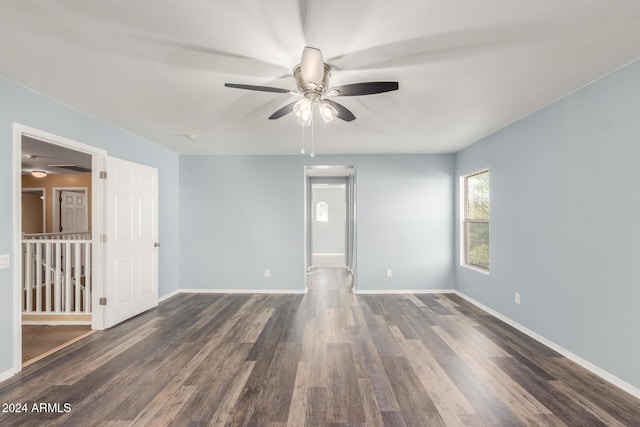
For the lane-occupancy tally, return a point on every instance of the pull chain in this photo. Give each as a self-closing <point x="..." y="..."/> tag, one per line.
<point x="313" y="154"/>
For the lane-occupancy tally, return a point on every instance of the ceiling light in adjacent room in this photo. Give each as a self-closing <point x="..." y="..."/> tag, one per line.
<point x="39" y="174"/>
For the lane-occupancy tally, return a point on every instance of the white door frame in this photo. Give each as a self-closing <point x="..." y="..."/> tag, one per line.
<point x="333" y="172"/>
<point x="56" y="204"/>
<point x="98" y="155"/>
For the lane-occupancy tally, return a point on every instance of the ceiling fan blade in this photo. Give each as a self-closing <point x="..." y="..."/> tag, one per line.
<point x="258" y="88"/>
<point x="312" y="65"/>
<point x="367" y="88"/>
<point x="343" y="112"/>
<point x="283" y="111"/>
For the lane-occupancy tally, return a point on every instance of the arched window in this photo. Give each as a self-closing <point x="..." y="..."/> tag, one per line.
<point x="322" y="212"/>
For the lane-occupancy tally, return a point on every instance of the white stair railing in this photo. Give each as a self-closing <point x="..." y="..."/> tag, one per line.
<point x="56" y="276"/>
<point x="73" y="235"/>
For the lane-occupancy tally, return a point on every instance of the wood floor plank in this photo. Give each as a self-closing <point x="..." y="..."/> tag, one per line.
<point x="345" y="402"/>
<point x="317" y="408"/>
<point x="563" y="406"/>
<point x="299" y="397"/>
<point x="521" y="403"/>
<point x="326" y="358"/>
<point x="226" y="407"/>
<point x="274" y="405"/>
<point x="416" y="405"/>
<point x="372" y="414"/>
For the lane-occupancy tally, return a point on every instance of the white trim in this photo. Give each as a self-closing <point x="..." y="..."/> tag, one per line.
<point x="51" y="138"/>
<point x="462" y="208"/>
<point x="97" y="247"/>
<point x="56" y="322"/>
<point x="169" y="295"/>
<point x="7" y="374"/>
<point x="97" y="154"/>
<point x="240" y="291"/>
<point x="404" y="291"/>
<point x="17" y="248"/>
<point x="476" y="269"/>
<point x="332" y="171"/>
<point x="563" y="351"/>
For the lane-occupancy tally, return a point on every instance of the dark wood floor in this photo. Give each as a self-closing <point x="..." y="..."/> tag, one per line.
<point x="325" y="358"/>
<point x="41" y="339"/>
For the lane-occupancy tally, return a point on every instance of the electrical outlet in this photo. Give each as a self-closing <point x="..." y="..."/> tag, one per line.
<point x="516" y="297"/>
<point x="267" y="272"/>
<point x="389" y="273"/>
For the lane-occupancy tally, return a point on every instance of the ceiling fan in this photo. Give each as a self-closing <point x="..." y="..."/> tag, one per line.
<point x="312" y="80"/>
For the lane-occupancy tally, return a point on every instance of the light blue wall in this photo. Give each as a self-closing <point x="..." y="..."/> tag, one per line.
<point x="240" y="215"/>
<point x="565" y="233"/>
<point x="25" y="107"/>
<point x="330" y="237"/>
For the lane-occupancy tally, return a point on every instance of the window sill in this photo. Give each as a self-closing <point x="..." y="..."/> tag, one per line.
<point x="478" y="269"/>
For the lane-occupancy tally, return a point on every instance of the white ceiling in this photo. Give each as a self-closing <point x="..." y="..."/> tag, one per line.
<point x="157" y="68"/>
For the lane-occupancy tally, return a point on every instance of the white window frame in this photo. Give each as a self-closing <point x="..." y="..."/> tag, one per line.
<point x="322" y="212"/>
<point x="464" y="253"/>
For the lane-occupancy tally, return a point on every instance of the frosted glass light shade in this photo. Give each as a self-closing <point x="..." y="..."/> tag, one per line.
<point x="302" y="106"/>
<point x="328" y="112"/>
<point x="312" y="65"/>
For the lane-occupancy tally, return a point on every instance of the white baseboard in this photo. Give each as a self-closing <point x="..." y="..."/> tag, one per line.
<point x="563" y="351"/>
<point x="241" y="291"/>
<point x="403" y="291"/>
<point x="56" y="322"/>
<point x="169" y="295"/>
<point x="7" y="374"/>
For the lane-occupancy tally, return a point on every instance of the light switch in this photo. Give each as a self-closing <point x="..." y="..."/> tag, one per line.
<point x="4" y="261"/>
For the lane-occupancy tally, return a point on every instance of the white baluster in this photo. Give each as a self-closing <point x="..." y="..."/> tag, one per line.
<point x="68" y="290"/>
<point x="57" y="299"/>
<point x="38" y="264"/>
<point x="28" y="277"/>
<point x="47" y="284"/>
<point x="77" y="268"/>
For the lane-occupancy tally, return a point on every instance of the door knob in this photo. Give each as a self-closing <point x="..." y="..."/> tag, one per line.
<point x="156" y="245"/>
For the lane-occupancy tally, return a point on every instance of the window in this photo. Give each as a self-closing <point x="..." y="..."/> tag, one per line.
<point x="476" y="220"/>
<point x="322" y="212"/>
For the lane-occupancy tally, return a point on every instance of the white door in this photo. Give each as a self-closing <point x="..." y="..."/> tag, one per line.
<point x="73" y="211"/>
<point x="131" y="270"/>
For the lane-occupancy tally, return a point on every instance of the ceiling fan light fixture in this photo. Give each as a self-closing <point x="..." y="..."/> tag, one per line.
<point x="328" y="112"/>
<point x="304" y="120"/>
<point x="312" y="66"/>
<point x="302" y="106"/>
<point x="39" y="174"/>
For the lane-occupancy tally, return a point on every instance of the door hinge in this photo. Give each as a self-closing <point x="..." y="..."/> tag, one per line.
<point x="103" y="174"/>
<point x="103" y="238"/>
<point x="103" y="300"/>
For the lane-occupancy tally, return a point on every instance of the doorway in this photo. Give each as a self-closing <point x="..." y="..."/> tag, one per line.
<point x="54" y="275"/>
<point x="328" y="222"/>
<point x="70" y="212"/>
<point x="330" y="219"/>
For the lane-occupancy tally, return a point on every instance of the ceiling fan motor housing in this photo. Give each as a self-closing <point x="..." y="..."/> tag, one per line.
<point x="311" y="90"/>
